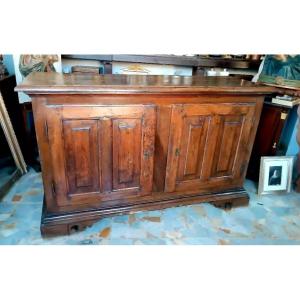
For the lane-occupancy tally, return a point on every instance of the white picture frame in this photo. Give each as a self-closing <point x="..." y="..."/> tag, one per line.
<point x="275" y="175"/>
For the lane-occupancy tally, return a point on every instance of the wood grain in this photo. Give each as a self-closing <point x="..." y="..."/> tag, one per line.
<point x="51" y="82"/>
<point x="82" y="159"/>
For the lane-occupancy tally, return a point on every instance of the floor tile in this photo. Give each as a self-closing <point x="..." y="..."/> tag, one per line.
<point x="267" y="220"/>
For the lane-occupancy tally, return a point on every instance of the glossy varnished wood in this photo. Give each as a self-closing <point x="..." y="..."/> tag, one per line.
<point x="47" y="83"/>
<point x="206" y="144"/>
<point x="88" y="166"/>
<point x="119" y="144"/>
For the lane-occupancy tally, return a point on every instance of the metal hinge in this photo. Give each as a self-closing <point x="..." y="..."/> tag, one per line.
<point x="46" y="131"/>
<point x="148" y="154"/>
<point x="243" y="167"/>
<point x="53" y="189"/>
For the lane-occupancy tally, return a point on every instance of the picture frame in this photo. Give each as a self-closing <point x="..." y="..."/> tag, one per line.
<point x="275" y="175"/>
<point x="281" y="70"/>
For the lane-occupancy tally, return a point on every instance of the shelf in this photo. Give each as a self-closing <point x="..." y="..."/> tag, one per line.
<point x="178" y="60"/>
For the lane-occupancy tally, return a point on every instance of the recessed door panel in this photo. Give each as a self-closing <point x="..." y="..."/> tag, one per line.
<point x="226" y="150"/>
<point x="82" y="155"/>
<point x="194" y="136"/>
<point x="126" y="153"/>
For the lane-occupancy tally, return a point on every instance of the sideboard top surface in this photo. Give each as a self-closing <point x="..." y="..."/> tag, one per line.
<point x="57" y="83"/>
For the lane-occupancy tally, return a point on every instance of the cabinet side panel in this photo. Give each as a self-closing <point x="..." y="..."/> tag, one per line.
<point x="41" y="129"/>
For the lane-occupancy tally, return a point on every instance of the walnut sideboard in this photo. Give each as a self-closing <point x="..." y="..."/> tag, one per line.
<point x="114" y="144"/>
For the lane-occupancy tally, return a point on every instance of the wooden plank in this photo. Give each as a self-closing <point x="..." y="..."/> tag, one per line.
<point x="174" y="148"/>
<point x="127" y="137"/>
<point x="148" y="147"/>
<point x="52" y="82"/>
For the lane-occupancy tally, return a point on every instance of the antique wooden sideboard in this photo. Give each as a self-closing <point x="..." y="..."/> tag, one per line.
<point x="114" y="144"/>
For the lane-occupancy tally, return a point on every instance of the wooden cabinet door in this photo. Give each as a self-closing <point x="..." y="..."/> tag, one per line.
<point x="100" y="152"/>
<point x="208" y="145"/>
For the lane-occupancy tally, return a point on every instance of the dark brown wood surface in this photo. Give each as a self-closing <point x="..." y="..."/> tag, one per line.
<point x="134" y="148"/>
<point x="210" y="153"/>
<point x="47" y="83"/>
<point x="81" y="171"/>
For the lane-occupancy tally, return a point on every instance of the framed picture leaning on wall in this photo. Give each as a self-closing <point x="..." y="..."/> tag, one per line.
<point x="275" y="174"/>
<point x="281" y="71"/>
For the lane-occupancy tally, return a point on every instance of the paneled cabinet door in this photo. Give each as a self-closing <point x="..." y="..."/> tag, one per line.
<point x="100" y="152"/>
<point x="208" y="145"/>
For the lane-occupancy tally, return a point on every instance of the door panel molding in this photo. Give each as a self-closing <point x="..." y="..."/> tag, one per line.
<point x="102" y="152"/>
<point x="82" y="160"/>
<point x="207" y="144"/>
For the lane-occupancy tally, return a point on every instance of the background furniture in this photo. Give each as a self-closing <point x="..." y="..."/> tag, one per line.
<point x="12" y="164"/>
<point x="242" y="67"/>
<point x="267" y="140"/>
<point x="31" y="149"/>
<point x="11" y="137"/>
<point x="9" y="171"/>
<point x="22" y="121"/>
<point x="295" y="93"/>
<point x="11" y="101"/>
<point x="117" y="144"/>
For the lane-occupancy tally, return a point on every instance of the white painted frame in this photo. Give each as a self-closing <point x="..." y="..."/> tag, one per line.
<point x="266" y="162"/>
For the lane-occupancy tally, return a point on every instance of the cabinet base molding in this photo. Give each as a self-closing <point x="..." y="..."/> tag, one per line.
<point x="68" y="223"/>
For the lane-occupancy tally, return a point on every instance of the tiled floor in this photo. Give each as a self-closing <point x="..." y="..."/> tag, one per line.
<point x="267" y="220"/>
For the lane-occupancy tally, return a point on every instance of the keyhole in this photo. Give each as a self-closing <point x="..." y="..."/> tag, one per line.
<point x="74" y="228"/>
